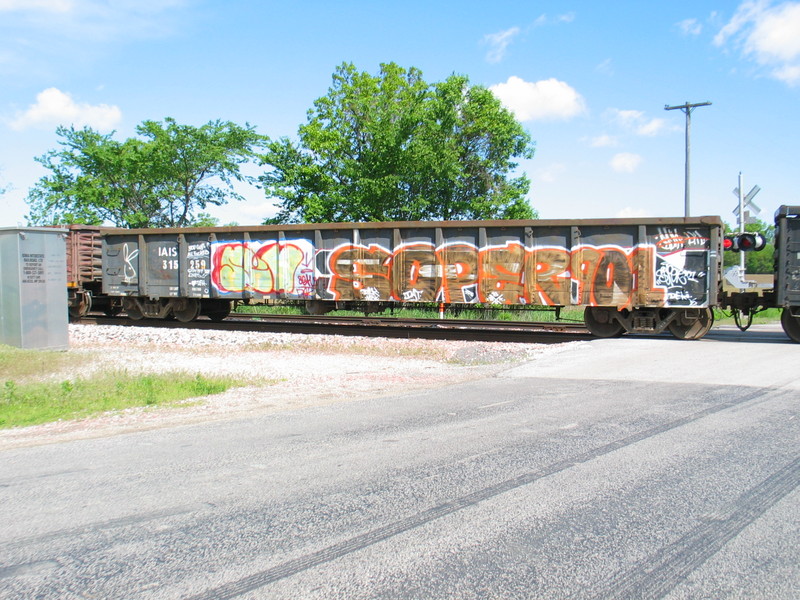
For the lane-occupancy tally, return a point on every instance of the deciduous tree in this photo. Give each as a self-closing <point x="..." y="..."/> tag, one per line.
<point x="393" y="147"/>
<point x="163" y="178"/>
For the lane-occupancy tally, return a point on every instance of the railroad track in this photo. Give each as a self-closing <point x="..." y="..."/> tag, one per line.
<point x="393" y="327"/>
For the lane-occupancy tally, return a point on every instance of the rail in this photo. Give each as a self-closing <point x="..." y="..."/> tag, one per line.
<point x="454" y="329"/>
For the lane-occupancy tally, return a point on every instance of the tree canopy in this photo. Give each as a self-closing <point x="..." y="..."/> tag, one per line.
<point x="393" y="147"/>
<point x="163" y="178"/>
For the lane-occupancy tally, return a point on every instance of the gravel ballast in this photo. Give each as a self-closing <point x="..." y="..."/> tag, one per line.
<point x="280" y="371"/>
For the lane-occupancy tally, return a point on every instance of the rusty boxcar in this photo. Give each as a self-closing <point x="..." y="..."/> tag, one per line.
<point x="632" y="275"/>
<point x="84" y="268"/>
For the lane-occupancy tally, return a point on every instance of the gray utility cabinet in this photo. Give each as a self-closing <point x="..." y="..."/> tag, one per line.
<point x="33" y="288"/>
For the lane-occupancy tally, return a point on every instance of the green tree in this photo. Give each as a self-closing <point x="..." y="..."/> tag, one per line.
<point x="392" y="147"/>
<point x="163" y="178"/>
<point x="760" y="261"/>
<point x="192" y="162"/>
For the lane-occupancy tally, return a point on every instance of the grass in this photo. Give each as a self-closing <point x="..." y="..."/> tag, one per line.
<point x="770" y="315"/>
<point x="24" y="364"/>
<point x="430" y="311"/>
<point x="26" y="400"/>
<point x="35" y="403"/>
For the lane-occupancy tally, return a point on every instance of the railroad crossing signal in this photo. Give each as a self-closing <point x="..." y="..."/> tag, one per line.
<point x="743" y="217"/>
<point x="744" y="242"/>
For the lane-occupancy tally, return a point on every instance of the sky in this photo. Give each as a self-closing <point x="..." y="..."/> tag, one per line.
<point x="588" y="80"/>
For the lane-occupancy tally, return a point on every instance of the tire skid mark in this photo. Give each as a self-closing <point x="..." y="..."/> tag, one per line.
<point x="24" y="478"/>
<point x="658" y="574"/>
<point x="379" y="534"/>
<point x="104" y="525"/>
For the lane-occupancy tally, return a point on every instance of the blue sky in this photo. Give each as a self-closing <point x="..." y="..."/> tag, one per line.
<point x="589" y="80"/>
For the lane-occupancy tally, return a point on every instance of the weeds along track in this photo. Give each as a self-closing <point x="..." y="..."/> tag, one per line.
<point x="393" y="327"/>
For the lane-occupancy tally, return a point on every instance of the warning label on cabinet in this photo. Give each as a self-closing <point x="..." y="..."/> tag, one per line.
<point x="33" y="268"/>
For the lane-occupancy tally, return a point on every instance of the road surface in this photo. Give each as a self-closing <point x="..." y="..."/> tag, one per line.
<point x="641" y="467"/>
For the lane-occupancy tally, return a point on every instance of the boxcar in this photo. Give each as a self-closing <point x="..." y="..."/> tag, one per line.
<point x="84" y="269"/>
<point x="631" y="275"/>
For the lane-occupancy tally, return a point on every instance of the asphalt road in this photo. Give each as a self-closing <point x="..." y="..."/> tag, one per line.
<point x="623" y="468"/>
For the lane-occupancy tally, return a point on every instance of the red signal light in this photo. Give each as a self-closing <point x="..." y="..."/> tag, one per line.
<point x="744" y="242"/>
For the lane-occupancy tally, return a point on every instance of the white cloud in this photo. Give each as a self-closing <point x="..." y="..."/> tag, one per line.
<point x="603" y="141"/>
<point x="605" y="68"/>
<point x="35" y="5"/>
<point x="625" y="162"/>
<point x="637" y="122"/>
<point x="768" y="34"/>
<point x="54" y="107"/>
<point x="776" y="35"/>
<point x="550" y="173"/>
<point x="690" y="27"/>
<point x="498" y="44"/>
<point x="544" y="19"/>
<point x="94" y="20"/>
<point x="651" y="127"/>
<point x="788" y="74"/>
<point x="629" y="212"/>
<point x="627" y="118"/>
<point x="546" y="99"/>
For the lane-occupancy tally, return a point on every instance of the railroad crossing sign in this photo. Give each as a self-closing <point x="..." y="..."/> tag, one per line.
<point x="747" y="202"/>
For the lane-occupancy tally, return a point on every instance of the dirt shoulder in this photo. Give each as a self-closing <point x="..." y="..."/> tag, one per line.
<point x="279" y="371"/>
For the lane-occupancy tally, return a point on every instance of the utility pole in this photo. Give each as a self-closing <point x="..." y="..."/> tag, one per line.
<point x="687" y="108"/>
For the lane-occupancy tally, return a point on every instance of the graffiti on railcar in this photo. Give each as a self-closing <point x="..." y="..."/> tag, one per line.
<point x="496" y="274"/>
<point x="198" y="268"/>
<point x="682" y="266"/>
<point x="671" y="270"/>
<point x="265" y="268"/>
<point x="363" y="271"/>
<point x="129" y="269"/>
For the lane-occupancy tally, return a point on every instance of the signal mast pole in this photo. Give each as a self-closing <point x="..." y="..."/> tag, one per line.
<point x="687" y="108"/>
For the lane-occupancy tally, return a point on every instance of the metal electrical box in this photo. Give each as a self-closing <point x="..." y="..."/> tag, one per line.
<point x="33" y="288"/>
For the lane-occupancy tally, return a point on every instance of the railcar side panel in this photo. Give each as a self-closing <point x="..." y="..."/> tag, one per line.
<point x="121" y="265"/>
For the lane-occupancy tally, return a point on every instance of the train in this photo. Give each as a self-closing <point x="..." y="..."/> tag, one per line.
<point x="648" y="275"/>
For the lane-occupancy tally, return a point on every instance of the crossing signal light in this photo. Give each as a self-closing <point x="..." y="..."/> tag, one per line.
<point x="744" y="242"/>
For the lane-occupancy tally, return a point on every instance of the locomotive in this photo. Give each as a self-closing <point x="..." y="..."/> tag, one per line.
<point x="629" y="275"/>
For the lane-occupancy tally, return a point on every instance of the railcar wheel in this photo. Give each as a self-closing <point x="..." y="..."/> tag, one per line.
<point x="112" y="310"/>
<point x="691" y="323"/>
<point x="600" y="322"/>
<point x="81" y="309"/>
<point x="791" y="325"/>
<point x="186" y="310"/>
<point x="132" y="309"/>
<point x="217" y="310"/>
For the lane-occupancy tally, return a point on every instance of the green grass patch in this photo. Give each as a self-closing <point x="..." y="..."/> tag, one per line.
<point x="23" y="364"/>
<point x="43" y="402"/>
<point x="430" y="311"/>
<point x="770" y="315"/>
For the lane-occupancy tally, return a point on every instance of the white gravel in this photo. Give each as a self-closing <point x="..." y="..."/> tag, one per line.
<point x="280" y="371"/>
